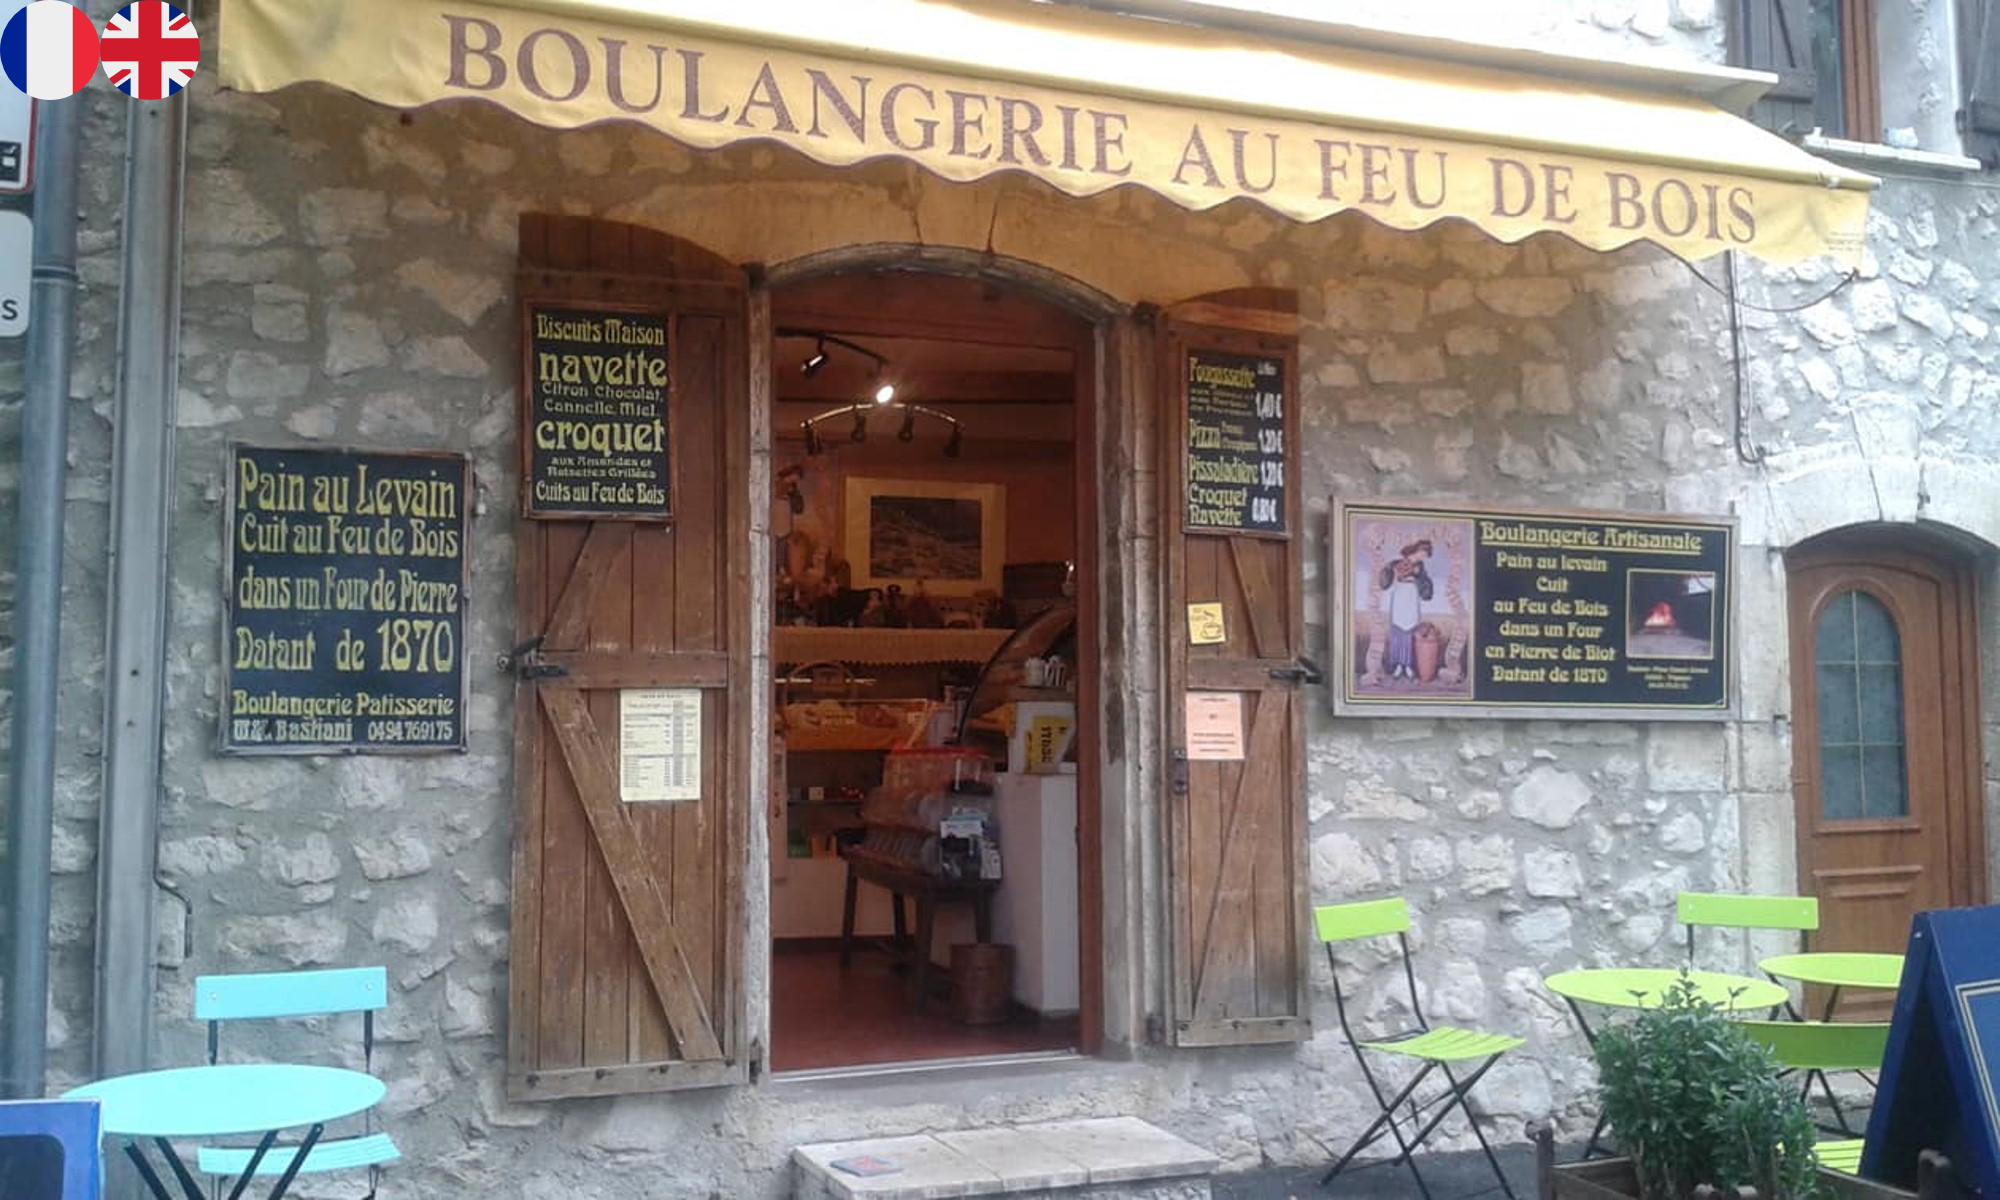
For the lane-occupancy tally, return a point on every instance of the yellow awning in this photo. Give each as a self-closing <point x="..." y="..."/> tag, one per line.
<point x="1087" y="101"/>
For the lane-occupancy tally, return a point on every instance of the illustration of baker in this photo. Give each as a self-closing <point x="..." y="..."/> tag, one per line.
<point x="1409" y="585"/>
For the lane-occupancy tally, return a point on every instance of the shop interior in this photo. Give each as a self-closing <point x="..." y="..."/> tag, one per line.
<point x="925" y="877"/>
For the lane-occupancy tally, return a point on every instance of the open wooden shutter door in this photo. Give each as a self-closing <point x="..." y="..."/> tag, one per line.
<point x="1235" y="814"/>
<point x="1979" y="34"/>
<point x="1776" y="36"/>
<point x="627" y="951"/>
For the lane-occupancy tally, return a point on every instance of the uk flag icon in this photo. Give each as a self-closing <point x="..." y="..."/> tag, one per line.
<point x="150" y="50"/>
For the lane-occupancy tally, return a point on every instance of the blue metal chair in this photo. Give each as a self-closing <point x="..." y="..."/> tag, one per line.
<point x="49" y="1150"/>
<point x="364" y="990"/>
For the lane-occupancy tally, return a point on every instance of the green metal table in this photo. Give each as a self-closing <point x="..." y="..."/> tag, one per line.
<point x="1837" y="970"/>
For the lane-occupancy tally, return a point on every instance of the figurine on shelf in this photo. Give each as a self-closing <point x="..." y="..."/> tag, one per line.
<point x="894" y="613"/>
<point x="921" y="613"/>
<point x="995" y="611"/>
<point x="873" y="613"/>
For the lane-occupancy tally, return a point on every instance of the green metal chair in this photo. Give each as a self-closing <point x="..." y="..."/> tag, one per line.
<point x="1843" y="1155"/>
<point x="1816" y="1047"/>
<point x="1437" y="1047"/>
<point x="1730" y="910"/>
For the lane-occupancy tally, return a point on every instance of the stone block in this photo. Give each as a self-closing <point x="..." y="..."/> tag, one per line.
<point x="1024" y="1162"/>
<point x="1551" y="873"/>
<point x="1400" y="366"/>
<point x="1527" y="297"/>
<point x="1549" y="797"/>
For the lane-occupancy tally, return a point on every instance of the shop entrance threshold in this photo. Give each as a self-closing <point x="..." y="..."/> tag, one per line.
<point x="924" y="1066"/>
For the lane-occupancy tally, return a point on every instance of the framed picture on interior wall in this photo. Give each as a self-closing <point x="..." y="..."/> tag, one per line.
<point x="952" y="536"/>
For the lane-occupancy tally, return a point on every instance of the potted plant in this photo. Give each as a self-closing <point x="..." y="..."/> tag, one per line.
<point x="1700" y="1110"/>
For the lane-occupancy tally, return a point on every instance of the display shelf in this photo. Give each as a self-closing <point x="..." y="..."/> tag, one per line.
<point x="884" y="647"/>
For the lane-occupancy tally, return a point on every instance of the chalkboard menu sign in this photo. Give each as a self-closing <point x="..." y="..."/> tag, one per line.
<point x="595" y="431"/>
<point x="1940" y="1082"/>
<point x="1447" y="611"/>
<point x="1235" y="443"/>
<point x="345" y="620"/>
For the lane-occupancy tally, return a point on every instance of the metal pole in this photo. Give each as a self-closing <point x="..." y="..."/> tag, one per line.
<point x="38" y="602"/>
<point x="141" y="516"/>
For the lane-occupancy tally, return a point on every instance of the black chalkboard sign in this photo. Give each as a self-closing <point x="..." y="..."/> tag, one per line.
<point x="344" y="627"/>
<point x="1490" y="612"/>
<point x="595" y="426"/>
<point x="1235" y="443"/>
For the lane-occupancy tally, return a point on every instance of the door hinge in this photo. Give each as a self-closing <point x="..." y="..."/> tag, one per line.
<point x="1305" y="670"/>
<point x="524" y="662"/>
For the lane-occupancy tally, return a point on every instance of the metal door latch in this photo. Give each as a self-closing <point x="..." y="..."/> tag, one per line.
<point x="525" y="662"/>
<point x="1306" y="671"/>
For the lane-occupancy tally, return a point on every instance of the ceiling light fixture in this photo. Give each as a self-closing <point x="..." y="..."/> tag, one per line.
<point x="906" y="431"/>
<point x="810" y="367"/>
<point x="821" y="340"/>
<point x="885" y="393"/>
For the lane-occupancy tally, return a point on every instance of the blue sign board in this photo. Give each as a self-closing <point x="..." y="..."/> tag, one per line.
<point x="1940" y="1086"/>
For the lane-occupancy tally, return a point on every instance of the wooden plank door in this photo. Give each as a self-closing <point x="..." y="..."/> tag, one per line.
<point x="1236" y="827"/>
<point x="1885" y="742"/>
<point x="627" y="953"/>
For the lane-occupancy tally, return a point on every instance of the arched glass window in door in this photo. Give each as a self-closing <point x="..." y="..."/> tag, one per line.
<point x="1860" y="663"/>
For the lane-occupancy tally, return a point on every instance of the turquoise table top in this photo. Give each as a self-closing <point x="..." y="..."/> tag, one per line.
<point x="195" y="1102"/>
<point x="1835" y="969"/>
<point x="1641" y="987"/>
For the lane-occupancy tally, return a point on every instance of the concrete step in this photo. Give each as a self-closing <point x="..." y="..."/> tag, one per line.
<point x="1096" y="1159"/>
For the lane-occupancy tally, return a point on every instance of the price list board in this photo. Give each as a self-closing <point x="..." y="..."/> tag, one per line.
<point x="1236" y="444"/>
<point x="344" y="627"/>
<point x="595" y="438"/>
<point x="1449" y="611"/>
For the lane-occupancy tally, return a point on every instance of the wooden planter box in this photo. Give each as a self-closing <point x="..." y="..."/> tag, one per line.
<point x="1614" y="1179"/>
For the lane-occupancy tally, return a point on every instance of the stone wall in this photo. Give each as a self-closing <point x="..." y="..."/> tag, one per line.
<point x="348" y="281"/>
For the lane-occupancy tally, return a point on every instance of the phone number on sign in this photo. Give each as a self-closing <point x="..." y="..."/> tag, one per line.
<point x="412" y="731"/>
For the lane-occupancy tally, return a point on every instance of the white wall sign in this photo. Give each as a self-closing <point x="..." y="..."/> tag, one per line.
<point x="17" y="249"/>
<point x="659" y="744"/>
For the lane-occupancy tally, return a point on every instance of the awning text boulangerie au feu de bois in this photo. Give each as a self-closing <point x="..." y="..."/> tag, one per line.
<point x="1088" y="101"/>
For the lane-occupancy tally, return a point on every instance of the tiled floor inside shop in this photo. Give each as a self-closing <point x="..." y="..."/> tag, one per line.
<point x="822" y="1016"/>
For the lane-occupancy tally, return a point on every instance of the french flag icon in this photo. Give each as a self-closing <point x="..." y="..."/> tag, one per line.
<point x="49" y="50"/>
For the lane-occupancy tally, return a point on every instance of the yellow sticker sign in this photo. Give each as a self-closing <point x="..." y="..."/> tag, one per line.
<point x="1205" y="626"/>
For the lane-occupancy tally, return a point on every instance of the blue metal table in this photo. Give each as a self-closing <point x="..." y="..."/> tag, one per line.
<point x="231" y="1100"/>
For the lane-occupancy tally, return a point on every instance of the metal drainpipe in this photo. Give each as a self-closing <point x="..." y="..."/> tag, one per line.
<point x="38" y="602"/>
<point x="136" y="638"/>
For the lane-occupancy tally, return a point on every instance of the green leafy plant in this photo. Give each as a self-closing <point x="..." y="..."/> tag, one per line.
<point x="1693" y="1101"/>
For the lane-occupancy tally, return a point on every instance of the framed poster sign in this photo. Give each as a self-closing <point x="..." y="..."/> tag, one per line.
<point x="1235" y="443"/>
<point x="595" y="413"/>
<point x="1486" y="612"/>
<point x="344" y="625"/>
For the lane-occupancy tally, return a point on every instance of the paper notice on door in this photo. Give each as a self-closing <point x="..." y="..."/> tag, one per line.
<point x="659" y="744"/>
<point x="1205" y="625"/>
<point x="1215" y="726"/>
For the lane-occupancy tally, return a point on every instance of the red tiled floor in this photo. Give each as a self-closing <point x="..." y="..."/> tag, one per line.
<point x="822" y="1016"/>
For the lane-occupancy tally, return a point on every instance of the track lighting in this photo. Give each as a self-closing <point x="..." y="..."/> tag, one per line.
<point x="810" y="367"/>
<point x="821" y="340"/>
<point x="906" y="430"/>
<point x="885" y="393"/>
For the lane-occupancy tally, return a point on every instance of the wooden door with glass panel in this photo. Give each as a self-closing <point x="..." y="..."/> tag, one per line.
<point x="1885" y="759"/>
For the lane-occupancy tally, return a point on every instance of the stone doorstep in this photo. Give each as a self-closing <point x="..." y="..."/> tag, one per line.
<point x="1050" y="1156"/>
